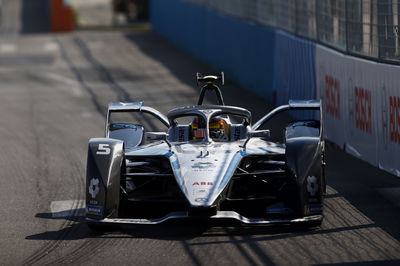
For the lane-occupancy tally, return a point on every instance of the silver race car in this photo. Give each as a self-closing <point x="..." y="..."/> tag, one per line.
<point x="210" y="162"/>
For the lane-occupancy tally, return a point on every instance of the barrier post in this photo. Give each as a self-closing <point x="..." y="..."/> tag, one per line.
<point x="62" y="16"/>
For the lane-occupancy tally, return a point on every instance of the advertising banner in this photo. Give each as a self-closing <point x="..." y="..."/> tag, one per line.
<point x="361" y="101"/>
<point x="330" y="88"/>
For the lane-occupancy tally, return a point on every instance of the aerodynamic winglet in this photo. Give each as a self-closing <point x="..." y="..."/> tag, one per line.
<point x="120" y="106"/>
<point x="300" y="104"/>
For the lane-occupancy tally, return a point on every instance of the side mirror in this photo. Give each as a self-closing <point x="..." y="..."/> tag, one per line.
<point x="259" y="134"/>
<point x="156" y="136"/>
<point x="256" y="134"/>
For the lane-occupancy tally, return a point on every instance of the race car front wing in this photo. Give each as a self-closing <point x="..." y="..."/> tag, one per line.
<point x="219" y="215"/>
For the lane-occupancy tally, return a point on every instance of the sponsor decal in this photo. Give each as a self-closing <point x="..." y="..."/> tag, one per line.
<point x="93" y="202"/>
<point x="279" y="208"/>
<point x="204" y="165"/>
<point x="202" y="193"/>
<point x="94" y="187"/>
<point x="280" y="211"/>
<point x="332" y="96"/>
<point x="363" y="109"/>
<point x="200" y="200"/>
<point x="182" y="134"/>
<point x="96" y="210"/>
<point x="202" y="184"/>
<point x="312" y="185"/>
<point x="237" y="134"/>
<point x="315" y="208"/>
<point x="394" y="121"/>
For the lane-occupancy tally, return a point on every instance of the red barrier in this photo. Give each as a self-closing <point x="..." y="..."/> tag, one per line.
<point x="62" y="16"/>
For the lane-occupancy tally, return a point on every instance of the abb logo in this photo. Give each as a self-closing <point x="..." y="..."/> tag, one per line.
<point x="332" y="96"/>
<point x="363" y="109"/>
<point x="394" y="118"/>
<point x="203" y="184"/>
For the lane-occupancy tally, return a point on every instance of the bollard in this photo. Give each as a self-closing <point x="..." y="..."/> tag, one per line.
<point x="62" y="16"/>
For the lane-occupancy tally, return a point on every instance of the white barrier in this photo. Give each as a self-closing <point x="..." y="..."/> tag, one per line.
<point x="361" y="106"/>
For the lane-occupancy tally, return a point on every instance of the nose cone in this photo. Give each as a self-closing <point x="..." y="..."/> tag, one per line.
<point x="202" y="172"/>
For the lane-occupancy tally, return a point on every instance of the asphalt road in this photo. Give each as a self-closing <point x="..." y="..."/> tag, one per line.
<point x="53" y="93"/>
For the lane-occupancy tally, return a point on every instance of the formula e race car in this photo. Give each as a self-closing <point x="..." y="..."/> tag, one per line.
<point x="210" y="162"/>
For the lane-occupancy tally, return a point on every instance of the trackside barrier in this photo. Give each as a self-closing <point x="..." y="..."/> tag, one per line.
<point x="243" y="50"/>
<point x="361" y="107"/>
<point x="294" y="68"/>
<point x="62" y="16"/>
<point x="274" y="64"/>
<point x="361" y="98"/>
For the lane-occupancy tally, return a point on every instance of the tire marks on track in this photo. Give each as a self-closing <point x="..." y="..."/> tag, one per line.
<point x="80" y="79"/>
<point x="88" y="246"/>
<point x="68" y="228"/>
<point x="107" y="78"/>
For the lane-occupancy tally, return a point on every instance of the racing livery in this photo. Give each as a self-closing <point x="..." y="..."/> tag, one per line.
<point x="210" y="162"/>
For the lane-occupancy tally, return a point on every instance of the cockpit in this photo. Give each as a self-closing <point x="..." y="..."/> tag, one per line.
<point x="205" y="124"/>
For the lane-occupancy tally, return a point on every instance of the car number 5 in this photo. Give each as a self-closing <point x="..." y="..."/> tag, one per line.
<point x="103" y="149"/>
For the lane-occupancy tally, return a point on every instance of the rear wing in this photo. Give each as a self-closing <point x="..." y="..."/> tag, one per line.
<point x="119" y="107"/>
<point x="293" y="105"/>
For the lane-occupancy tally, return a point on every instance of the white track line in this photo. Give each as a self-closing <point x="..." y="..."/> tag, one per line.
<point x="7" y="48"/>
<point x="75" y="86"/>
<point x="51" y="47"/>
<point x="67" y="208"/>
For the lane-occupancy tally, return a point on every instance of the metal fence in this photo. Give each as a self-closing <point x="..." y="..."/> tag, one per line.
<point x="362" y="27"/>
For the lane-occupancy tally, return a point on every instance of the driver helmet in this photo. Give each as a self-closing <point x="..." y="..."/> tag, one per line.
<point x="219" y="128"/>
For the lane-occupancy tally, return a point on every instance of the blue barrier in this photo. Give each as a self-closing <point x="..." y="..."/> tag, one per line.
<point x="273" y="64"/>
<point x="244" y="51"/>
<point x="294" y="67"/>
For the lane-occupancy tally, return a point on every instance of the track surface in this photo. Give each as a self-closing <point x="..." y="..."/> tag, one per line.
<point x="53" y="94"/>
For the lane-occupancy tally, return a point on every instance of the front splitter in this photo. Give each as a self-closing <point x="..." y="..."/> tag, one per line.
<point x="220" y="215"/>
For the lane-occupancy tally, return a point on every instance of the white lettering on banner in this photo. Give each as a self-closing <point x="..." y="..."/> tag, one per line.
<point x="394" y="119"/>
<point x="332" y="96"/>
<point x="363" y="107"/>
